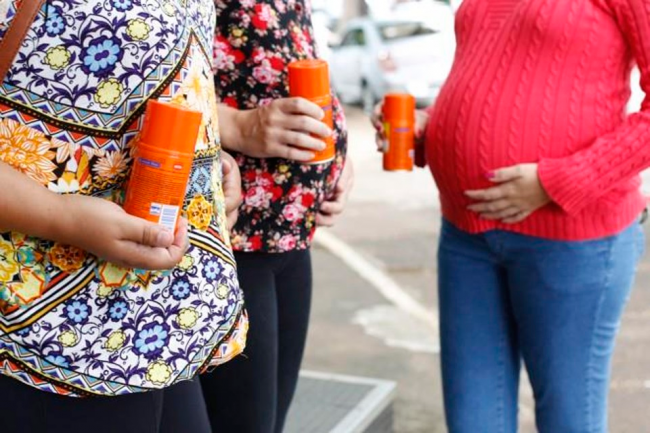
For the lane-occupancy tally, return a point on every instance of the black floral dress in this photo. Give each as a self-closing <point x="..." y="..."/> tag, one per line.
<point x="255" y="42"/>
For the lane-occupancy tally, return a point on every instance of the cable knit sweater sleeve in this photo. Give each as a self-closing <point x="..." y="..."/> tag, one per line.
<point x="575" y="181"/>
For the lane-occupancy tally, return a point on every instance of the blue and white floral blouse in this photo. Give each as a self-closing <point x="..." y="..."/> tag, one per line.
<point x="70" y="109"/>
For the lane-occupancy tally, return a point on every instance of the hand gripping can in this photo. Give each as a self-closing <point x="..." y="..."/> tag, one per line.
<point x="399" y="127"/>
<point x="310" y="79"/>
<point x="162" y="163"/>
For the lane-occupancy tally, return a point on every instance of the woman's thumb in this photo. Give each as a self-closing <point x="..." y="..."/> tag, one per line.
<point x="154" y="235"/>
<point x="227" y="166"/>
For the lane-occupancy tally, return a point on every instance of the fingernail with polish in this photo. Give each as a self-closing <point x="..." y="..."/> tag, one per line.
<point x="490" y="175"/>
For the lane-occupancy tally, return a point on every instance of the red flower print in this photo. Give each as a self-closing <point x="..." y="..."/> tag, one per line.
<point x="259" y="55"/>
<point x="262" y="17"/>
<point x="230" y="101"/>
<point x="255" y="242"/>
<point x="287" y="243"/>
<point x="257" y="197"/>
<point x="277" y="64"/>
<point x="249" y="176"/>
<point x="277" y="192"/>
<point x="266" y="180"/>
<point x="294" y="192"/>
<point x="308" y="200"/>
<point x="293" y="213"/>
<point x="225" y="56"/>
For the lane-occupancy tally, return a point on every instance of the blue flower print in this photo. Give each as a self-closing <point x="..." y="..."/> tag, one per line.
<point x="151" y="340"/>
<point x="24" y="332"/>
<point x="122" y="5"/>
<point x="101" y="56"/>
<point x="54" y="24"/>
<point x="213" y="270"/>
<point x="77" y="312"/>
<point x="58" y="360"/>
<point x="118" y="310"/>
<point x="181" y="290"/>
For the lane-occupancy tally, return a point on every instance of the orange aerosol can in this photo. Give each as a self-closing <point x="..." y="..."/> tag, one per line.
<point x="399" y="126"/>
<point x="310" y="79"/>
<point x="162" y="163"/>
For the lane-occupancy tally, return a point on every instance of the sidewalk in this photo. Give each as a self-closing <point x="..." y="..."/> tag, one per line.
<point x="338" y="345"/>
<point x="392" y="222"/>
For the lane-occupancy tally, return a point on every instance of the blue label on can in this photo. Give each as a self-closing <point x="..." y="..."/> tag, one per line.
<point x="149" y="163"/>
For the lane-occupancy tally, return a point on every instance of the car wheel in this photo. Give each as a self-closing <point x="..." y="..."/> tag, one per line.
<point x="368" y="99"/>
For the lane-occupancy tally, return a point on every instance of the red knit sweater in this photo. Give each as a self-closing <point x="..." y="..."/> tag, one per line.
<point x="546" y="81"/>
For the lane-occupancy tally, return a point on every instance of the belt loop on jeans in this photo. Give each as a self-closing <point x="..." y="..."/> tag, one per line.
<point x="644" y="216"/>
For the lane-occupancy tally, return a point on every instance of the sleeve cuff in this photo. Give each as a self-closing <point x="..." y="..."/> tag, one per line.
<point x="562" y="184"/>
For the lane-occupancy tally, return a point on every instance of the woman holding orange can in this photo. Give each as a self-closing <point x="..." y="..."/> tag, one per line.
<point x="537" y="165"/>
<point x="294" y="178"/>
<point x="400" y="132"/>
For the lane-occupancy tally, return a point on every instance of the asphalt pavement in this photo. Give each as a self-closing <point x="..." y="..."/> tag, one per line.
<point x="375" y="304"/>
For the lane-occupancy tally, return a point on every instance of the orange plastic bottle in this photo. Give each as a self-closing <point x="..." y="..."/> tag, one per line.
<point x="399" y="126"/>
<point x="310" y="79"/>
<point x="162" y="163"/>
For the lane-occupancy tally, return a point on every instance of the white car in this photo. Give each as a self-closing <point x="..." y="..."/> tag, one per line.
<point x="377" y="56"/>
<point x="455" y="4"/>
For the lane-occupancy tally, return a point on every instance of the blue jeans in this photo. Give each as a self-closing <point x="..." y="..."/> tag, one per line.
<point x="557" y="306"/>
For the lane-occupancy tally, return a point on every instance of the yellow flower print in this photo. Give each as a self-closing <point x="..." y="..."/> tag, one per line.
<point x="138" y="29"/>
<point x="186" y="263"/>
<point x="108" y="92"/>
<point x="222" y="291"/>
<point x="199" y="212"/>
<point x="68" y="339"/>
<point x="27" y="150"/>
<point x="57" y="57"/>
<point x="159" y="373"/>
<point x="111" y="165"/>
<point x="238" y="38"/>
<point x="8" y="265"/>
<point x="67" y="258"/>
<point x="187" y="318"/>
<point x="31" y="286"/>
<point x="203" y="11"/>
<point x="115" y="341"/>
<point x="168" y="8"/>
<point x="103" y="291"/>
<point x="114" y="276"/>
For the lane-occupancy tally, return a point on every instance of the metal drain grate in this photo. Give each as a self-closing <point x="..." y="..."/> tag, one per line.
<point x="328" y="403"/>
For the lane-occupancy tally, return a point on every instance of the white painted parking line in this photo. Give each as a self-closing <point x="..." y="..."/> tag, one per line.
<point x="379" y="279"/>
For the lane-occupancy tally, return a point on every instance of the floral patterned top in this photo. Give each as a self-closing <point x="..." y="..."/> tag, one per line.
<point x="255" y="42"/>
<point x="70" y="109"/>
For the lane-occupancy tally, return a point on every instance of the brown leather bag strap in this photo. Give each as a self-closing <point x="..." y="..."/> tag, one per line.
<point x="16" y="32"/>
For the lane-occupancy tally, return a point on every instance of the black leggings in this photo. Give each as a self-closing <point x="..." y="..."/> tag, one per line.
<point x="252" y="393"/>
<point x="178" y="409"/>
